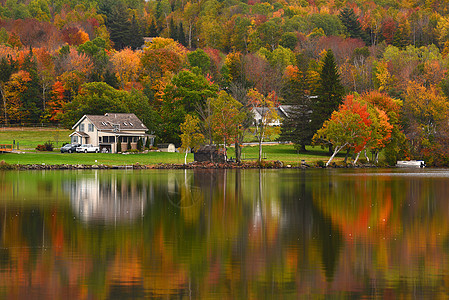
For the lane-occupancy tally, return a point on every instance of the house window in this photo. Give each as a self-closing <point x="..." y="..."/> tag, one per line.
<point x="109" y="139"/>
<point x="90" y="127"/>
<point x="82" y="127"/>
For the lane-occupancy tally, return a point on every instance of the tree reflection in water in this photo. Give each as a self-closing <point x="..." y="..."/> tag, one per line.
<point x="223" y="233"/>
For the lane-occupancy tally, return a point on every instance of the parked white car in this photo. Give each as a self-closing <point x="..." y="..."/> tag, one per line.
<point x="87" y="148"/>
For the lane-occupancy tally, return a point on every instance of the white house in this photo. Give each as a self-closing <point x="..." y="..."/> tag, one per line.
<point x="282" y="112"/>
<point x="106" y="130"/>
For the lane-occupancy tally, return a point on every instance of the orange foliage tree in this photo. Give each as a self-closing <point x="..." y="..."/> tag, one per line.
<point x="349" y="126"/>
<point x="127" y="66"/>
<point x="14" y="89"/>
<point x="56" y="104"/>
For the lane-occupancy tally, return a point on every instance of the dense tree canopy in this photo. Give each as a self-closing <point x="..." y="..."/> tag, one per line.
<point x="309" y="54"/>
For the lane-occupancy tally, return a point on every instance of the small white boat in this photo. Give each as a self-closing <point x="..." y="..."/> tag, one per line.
<point x="410" y="164"/>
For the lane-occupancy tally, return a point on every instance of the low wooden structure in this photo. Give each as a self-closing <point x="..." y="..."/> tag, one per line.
<point x="209" y="153"/>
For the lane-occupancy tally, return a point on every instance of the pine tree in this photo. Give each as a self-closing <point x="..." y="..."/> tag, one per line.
<point x="329" y="92"/>
<point x="119" y="27"/>
<point x="136" y="38"/>
<point x="296" y="127"/>
<point x="181" y="35"/>
<point x="31" y="97"/>
<point x="352" y="24"/>
<point x="173" y="30"/>
<point x="139" y="144"/>
<point x="152" y="30"/>
<point x="119" y="144"/>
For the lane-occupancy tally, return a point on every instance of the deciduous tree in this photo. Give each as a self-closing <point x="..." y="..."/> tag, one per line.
<point x="265" y="105"/>
<point x="191" y="137"/>
<point x="347" y="127"/>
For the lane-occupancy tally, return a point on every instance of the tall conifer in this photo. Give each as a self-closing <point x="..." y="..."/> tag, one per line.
<point x="329" y="92"/>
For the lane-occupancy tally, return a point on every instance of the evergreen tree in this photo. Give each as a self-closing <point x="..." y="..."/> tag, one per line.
<point x="119" y="27"/>
<point x="352" y="24"/>
<point x="119" y="144"/>
<point x="296" y="127"/>
<point x="173" y="29"/>
<point x="139" y="144"/>
<point x="32" y="97"/>
<point x="181" y="35"/>
<point x="329" y="92"/>
<point x="152" y="30"/>
<point x="136" y="37"/>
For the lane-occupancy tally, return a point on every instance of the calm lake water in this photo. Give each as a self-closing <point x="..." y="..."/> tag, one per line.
<point x="234" y="234"/>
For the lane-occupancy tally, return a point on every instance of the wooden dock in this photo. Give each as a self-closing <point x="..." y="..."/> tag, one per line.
<point x="5" y="148"/>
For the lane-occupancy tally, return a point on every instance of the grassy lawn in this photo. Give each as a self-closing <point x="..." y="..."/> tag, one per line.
<point x="55" y="158"/>
<point x="29" y="138"/>
<point x="284" y="153"/>
<point x="287" y="154"/>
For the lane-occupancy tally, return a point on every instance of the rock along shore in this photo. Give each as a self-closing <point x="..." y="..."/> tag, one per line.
<point x="203" y="165"/>
<point x="162" y="166"/>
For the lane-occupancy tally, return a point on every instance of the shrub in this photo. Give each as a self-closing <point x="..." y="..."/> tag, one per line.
<point x="40" y="148"/>
<point x="139" y="145"/>
<point x="48" y="146"/>
<point x="119" y="144"/>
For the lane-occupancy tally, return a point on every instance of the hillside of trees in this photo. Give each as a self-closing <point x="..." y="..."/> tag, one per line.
<point x="377" y="67"/>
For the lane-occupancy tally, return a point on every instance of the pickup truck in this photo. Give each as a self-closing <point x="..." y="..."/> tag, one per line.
<point x="87" y="148"/>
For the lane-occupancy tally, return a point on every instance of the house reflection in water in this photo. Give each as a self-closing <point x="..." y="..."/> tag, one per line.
<point x="108" y="198"/>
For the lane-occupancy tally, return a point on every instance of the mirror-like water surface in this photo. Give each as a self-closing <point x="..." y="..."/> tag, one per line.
<point x="224" y="234"/>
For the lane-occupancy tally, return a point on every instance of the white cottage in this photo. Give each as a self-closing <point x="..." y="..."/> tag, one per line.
<point x="106" y="130"/>
<point x="282" y="112"/>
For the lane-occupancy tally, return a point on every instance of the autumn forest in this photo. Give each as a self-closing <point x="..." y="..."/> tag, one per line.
<point x="357" y="76"/>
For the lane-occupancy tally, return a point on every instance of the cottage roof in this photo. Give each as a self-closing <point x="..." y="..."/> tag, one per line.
<point x="79" y="133"/>
<point x="125" y="122"/>
<point x="282" y="110"/>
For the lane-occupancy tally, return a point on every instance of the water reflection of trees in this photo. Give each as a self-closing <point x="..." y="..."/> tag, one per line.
<point x="242" y="234"/>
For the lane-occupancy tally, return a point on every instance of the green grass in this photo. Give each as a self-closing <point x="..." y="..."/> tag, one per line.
<point x="29" y="138"/>
<point x="287" y="154"/>
<point x="54" y="158"/>
<point x="284" y="153"/>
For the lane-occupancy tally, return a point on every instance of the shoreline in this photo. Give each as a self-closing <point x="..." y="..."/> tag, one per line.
<point x="169" y="166"/>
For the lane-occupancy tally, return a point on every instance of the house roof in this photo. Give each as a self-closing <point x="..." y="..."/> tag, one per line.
<point x="281" y="110"/>
<point x="126" y="122"/>
<point x="79" y="133"/>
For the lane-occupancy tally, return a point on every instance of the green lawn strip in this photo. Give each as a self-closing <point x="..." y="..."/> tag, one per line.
<point x="287" y="154"/>
<point x="30" y="138"/>
<point x="284" y="153"/>
<point x="54" y="158"/>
